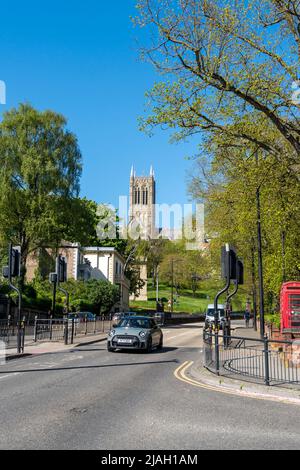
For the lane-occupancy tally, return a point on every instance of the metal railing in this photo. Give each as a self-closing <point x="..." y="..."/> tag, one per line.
<point x="68" y="329"/>
<point x="48" y="330"/>
<point x="268" y="361"/>
<point x="9" y="333"/>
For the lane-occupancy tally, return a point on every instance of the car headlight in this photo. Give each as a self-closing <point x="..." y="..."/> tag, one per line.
<point x="142" y="334"/>
<point x="112" y="333"/>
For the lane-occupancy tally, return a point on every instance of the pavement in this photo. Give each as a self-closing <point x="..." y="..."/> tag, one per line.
<point x="197" y="375"/>
<point x="87" y="398"/>
<point x="53" y="347"/>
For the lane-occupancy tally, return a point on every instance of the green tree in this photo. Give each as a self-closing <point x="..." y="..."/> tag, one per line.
<point x="39" y="177"/>
<point x="229" y="185"/>
<point x="221" y="61"/>
<point x="102" y="294"/>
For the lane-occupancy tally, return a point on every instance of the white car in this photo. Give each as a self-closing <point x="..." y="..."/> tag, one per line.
<point x="210" y="315"/>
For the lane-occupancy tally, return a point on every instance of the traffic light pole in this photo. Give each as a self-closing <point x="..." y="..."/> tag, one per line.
<point x="60" y="275"/>
<point x="12" y="268"/>
<point x="66" y="294"/>
<point x="19" y="328"/>
<point x="227" y="332"/>
<point x="230" y="296"/>
<point x="54" y="298"/>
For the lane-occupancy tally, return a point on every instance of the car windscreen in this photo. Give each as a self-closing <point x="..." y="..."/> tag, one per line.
<point x="134" y="323"/>
<point x="211" y="312"/>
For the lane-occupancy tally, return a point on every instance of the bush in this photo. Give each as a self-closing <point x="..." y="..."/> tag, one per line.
<point x="274" y="319"/>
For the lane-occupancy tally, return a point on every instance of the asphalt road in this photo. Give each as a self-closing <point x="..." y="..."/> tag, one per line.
<point x="92" y="399"/>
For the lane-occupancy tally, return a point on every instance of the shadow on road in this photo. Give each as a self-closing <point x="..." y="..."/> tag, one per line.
<point x="104" y="366"/>
<point x="165" y="349"/>
<point x="184" y="327"/>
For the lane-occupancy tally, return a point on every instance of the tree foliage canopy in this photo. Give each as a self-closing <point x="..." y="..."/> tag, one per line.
<point x="39" y="177"/>
<point x="223" y="60"/>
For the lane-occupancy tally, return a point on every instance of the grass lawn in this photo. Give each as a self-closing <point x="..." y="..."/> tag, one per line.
<point x="187" y="302"/>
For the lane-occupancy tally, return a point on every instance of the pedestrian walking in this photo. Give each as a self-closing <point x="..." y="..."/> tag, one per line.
<point x="247" y="318"/>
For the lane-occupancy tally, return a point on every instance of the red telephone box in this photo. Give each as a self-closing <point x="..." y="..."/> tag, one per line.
<point x="290" y="307"/>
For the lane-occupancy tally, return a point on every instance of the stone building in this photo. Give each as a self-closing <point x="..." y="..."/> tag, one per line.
<point x="142" y="201"/>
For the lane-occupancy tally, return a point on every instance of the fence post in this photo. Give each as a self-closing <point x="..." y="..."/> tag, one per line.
<point x="267" y="369"/>
<point x="35" y="329"/>
<point x="66" y="328"/>
<point x="95" y="325"/>
<point x="8" y="320"/>
<point x="217" y="352"/>
<point x="23" y="334"/>
<point x="72" y="333"/>
<point x="103" y="323"/>
<point x="86" y="325"/>
<point x="50" y="326"/>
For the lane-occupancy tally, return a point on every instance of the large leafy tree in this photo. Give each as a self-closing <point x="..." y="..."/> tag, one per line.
<point x="229" y="185"/>
<point x="221" y="61"/>
<point x="229" y="69"/>
<point x="39" y="177"/>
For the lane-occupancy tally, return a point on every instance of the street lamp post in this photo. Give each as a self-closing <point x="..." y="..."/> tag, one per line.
<point x="260" y="262"/>
<point x="172" y="287"/>
<point x="195" y="279"/>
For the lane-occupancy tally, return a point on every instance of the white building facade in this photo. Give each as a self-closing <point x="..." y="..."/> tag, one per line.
<point x="105" y="264"/>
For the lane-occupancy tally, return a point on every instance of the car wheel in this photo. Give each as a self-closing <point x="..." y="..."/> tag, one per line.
<point x="110" y="349"/>
<point x="149" y="345"/>
<point x="161" y="343"/>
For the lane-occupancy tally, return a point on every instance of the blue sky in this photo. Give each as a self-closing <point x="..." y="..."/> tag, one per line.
<point x="81" y="59"/>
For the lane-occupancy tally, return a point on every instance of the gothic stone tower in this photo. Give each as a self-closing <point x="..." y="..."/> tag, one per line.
<point x="142" y="204"/>
<point x="142" y="217"/>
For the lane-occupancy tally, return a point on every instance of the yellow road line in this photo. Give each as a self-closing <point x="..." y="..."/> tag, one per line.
<point x="180" y="374"/>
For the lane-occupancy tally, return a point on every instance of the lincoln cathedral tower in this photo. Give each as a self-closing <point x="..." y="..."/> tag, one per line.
<point x="142" y="217"/>
<point x="142" y="204"/>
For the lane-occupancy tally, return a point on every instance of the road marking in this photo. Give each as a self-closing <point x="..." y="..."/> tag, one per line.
<point x="10" y="375"/>
<point x="181" y="334"/>
<point x="180" y="374"/>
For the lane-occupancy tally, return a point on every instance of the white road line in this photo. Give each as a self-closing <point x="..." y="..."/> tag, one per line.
<point x="181" y="334"/>
<point x="10" y="375"/>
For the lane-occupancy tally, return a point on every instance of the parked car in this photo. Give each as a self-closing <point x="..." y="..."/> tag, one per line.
<point x="117" y="317"/>
<point x="210" y="315"/>
<point x="135" y="332"/>
<point x="80" y="317"/>
<point x="159" y="317"/>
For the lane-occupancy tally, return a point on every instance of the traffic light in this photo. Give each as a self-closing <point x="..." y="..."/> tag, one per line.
<point x="61" y="269"/>
<point x="240" y="272"/>
<point x="15" y="261"/>
<point x="229" y="263"/>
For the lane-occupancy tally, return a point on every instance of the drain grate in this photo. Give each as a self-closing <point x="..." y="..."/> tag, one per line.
<point x="79" y="410"/>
